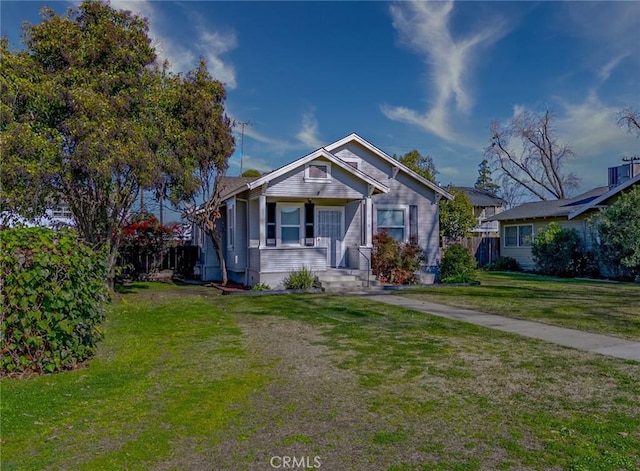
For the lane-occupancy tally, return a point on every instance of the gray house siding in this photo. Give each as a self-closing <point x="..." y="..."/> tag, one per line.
<point x="404" y="191"/>
<point x="293" y="185"/>
<point x="523" y="254"/>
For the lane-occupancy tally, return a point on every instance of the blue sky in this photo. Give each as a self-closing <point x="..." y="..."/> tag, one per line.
<point x="404" y="75"/>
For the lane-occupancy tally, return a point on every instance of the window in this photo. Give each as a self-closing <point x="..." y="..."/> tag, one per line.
<point x="318" y="172"/>
<point x="355" y="163"/>
<point x="290" y="222"/>
<point x="518" y="236"/>
<point x="231" y="224"/>
<point x="392" y="221"/>
<point x="61" y="211"/>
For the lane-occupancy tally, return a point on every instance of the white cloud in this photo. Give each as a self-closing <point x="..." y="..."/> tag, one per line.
<point x="591" y="129"/>
<point x="308" y="135"/>
<point x="208" y="44"/>
<point x="424" y="28"/>
<point x="611" y="29"/>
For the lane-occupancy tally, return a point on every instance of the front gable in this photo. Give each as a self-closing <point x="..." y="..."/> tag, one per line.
<point x="383" y="167"/>
<point x="319" y="174"/>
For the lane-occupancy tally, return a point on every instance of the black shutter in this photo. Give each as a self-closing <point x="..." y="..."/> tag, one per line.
<point x="309" y="214"/>
<point x="271" y="224"/>
<point x="413" y="221"/>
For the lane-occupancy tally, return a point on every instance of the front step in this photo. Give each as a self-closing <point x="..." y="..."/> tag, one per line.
<point x="340" y="281"/>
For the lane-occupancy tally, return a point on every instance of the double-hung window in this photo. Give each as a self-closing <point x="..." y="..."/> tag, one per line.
<point x="393" y="222"/>
<point x="290" y="228"/>
<point x="518" y="236"/>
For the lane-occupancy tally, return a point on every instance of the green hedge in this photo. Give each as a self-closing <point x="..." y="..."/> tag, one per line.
<point x="458" y="265"/>
<point x="52" y="294"/>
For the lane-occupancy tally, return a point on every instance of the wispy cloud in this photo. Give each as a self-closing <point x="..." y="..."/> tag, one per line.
<point x="424" y="27"/>
<point x="183" y="57"/>
<point x="611" y="28"/>
<point x="306" y="139"/>
<point x="590" y="127"/>
<point x="308" y="135"/>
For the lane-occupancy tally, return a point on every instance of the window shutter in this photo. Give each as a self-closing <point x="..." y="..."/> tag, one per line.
<point x="271" y="224"/>
<point x="309" y="214"/>
<point x="413" y="221"/>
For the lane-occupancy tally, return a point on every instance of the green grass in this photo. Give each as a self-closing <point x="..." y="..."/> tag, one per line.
<point x="180" y="381"/>
<point x="600" y="307"/>
<point x="167" y="368"/>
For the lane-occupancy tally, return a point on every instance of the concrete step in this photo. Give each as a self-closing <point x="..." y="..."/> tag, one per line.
<point x="336" y="277"/>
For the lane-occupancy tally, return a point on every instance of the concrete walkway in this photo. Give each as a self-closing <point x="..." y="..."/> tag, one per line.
<point x="595" y="343"/>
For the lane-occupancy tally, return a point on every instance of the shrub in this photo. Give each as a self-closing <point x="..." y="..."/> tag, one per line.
<point x="53" y="289"/>
<point x="261" y="287"/>
<point x="560" y="252"/>
<point x="395" y="262"/>
<point x="144" y="244"/>
<point x="458" y="265"/>
<point x="618" y="227"/>
<point x="504" y="263"/>
<point x="301" y="279"/>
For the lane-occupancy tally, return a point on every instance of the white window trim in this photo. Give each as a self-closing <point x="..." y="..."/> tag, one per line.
<point x="504" y="234"/>
<point x="231" y="224"/>
<point x="307" y="178"/>
<point x="402" y="207"/>
<point x="279" y="207"/>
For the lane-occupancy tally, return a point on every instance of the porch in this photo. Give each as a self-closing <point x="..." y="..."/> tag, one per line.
<point x="270" y="265"/>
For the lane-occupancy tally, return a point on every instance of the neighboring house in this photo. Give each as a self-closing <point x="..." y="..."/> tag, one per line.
<point x="321" y="212"/>
<point x="485" y="205"/>
<point x="519" y="225"/>
<point x="58" y="216"/>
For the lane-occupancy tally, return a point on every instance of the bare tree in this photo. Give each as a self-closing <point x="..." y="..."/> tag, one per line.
<point x="527" y="152"/>
<point x="630" y="119"/>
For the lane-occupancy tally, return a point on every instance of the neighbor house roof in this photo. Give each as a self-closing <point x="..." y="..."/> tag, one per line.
<point x="231" y="185"/>
<point x="353" y="137"/>
<point x="480" y="197"/>
<point x="604" y="198"/>
<point x="549" y="208"/>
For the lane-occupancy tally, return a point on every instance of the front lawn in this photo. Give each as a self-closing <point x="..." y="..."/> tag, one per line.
<point x="190" y="380"/>
<point x="600" y="307"/>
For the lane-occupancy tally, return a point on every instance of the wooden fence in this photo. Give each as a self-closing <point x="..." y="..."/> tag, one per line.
<point x="485" y="249"/>
<point x="181" y="259"/>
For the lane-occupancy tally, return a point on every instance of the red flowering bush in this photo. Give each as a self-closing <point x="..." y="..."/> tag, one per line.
<point x="395" y="262"/>
<point x="143" y="244"/>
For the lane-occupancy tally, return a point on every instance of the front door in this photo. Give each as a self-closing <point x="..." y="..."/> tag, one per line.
<point x="329" y="233"/>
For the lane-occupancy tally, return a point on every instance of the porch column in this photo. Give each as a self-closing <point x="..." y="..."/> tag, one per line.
<point x="368" y="224"/>
<point x="262" y="206"/>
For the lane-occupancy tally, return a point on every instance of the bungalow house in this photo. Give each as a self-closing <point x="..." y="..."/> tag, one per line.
<point x="519" y="225"/>
<point x="321" y="212"/>
<point x="485" y="205"/>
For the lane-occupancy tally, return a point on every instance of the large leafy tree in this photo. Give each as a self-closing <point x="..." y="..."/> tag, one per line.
<point x="204" y="148"/>
<point x="619" y="230"/>
<point x="456" y="215"/>
<point x="527" y="152"/>
<point x="75" y="125"/>
<point x="89" y="118"/>
<point x="423" y="165"/>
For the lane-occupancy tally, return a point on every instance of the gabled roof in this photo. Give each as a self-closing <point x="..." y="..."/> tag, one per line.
<point x="480" y="197"/>
<point x="594" y="203"/>
<point x="353" y="137"/>
<point x="549" y="208"/>
<point x="252" y="183"/>
<point x="231" y="185"/>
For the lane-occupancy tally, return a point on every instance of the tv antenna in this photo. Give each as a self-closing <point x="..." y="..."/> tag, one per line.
<point x="242" y="124"/>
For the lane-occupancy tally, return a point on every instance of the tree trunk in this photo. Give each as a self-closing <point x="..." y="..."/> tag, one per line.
<point x="216" y="239"/>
